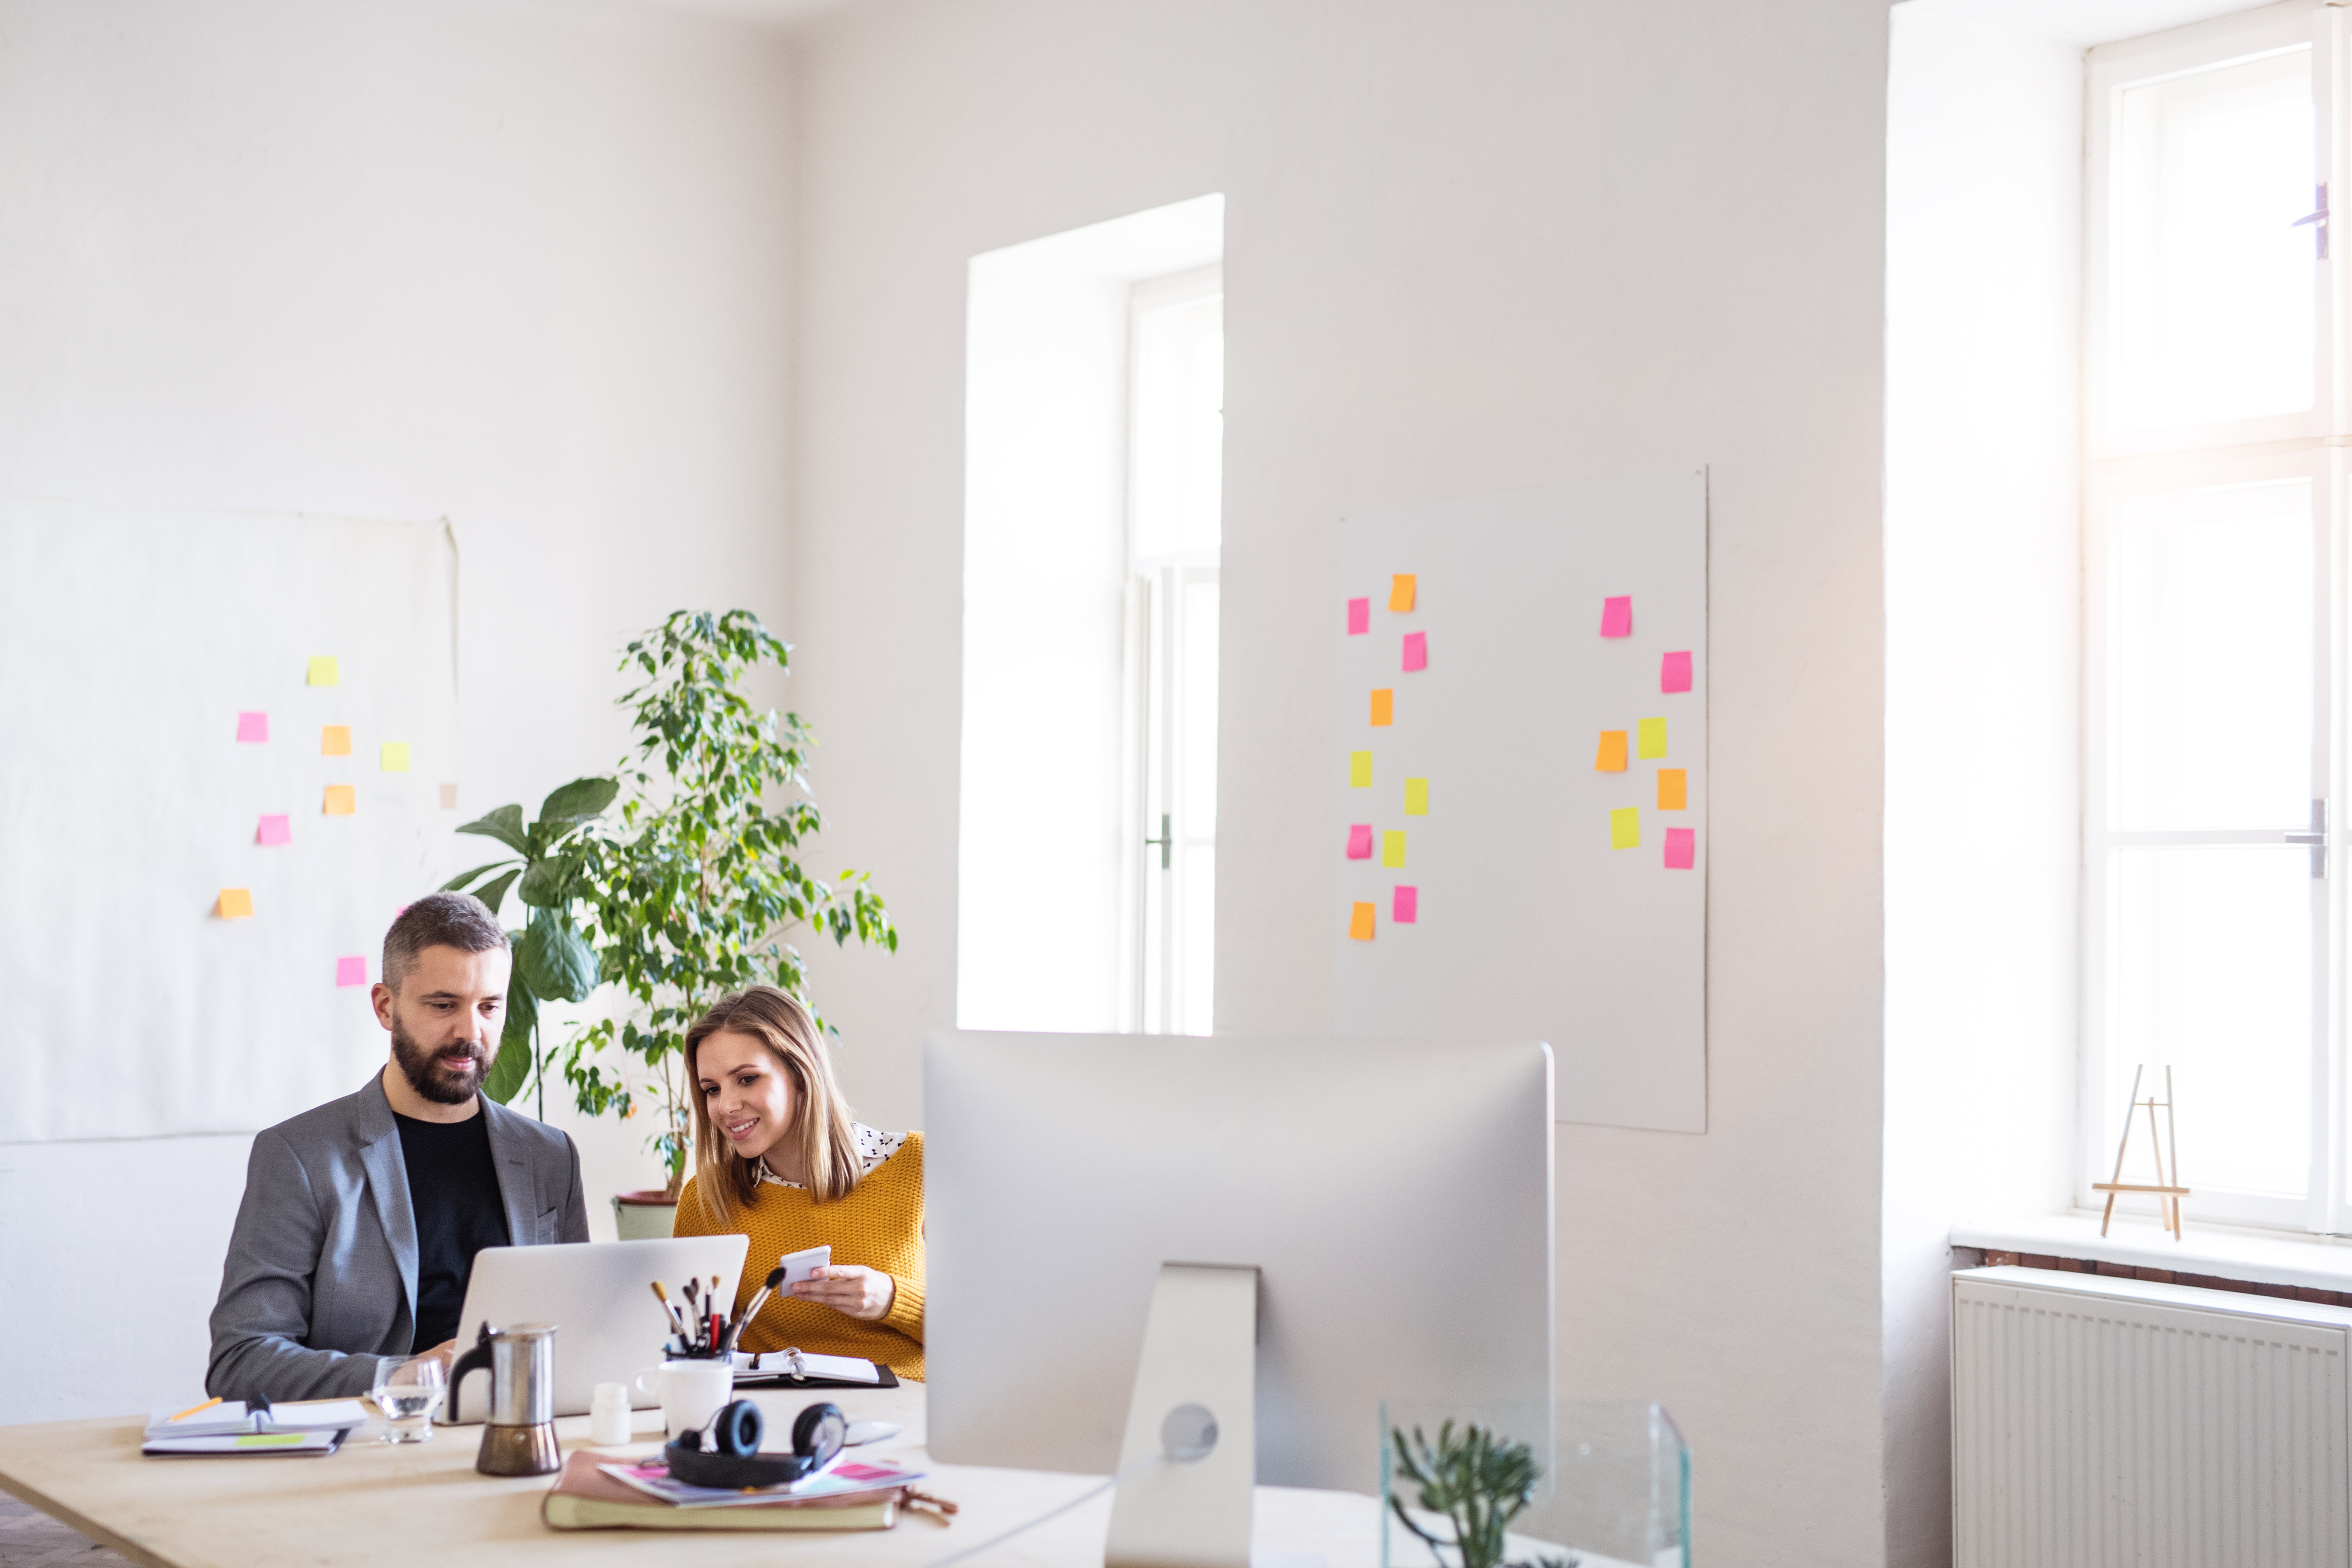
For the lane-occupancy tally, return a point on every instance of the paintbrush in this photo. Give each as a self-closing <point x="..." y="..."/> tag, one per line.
<point x="677" y="1319"/>
<point x="759" y="1300"/>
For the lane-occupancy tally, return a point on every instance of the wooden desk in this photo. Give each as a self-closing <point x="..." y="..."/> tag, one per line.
<point x="375" y="1505"/>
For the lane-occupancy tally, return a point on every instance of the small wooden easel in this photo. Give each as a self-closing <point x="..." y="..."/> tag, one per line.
<point x="2168" y="1193"/>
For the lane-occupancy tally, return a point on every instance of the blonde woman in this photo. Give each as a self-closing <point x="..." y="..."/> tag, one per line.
<point x="778" y="1159"/>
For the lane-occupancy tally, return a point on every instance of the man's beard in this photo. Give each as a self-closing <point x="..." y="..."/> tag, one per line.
<point x="429" y="1077"/>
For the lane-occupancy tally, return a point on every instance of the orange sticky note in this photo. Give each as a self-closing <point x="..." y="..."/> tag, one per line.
<point x="1673" y="789"/>
<point x="335" y="741"/>
<point x="1612" y="759"/>
<point x="236" y="903"/>
<point x="1401" y="591"/>
<point x="343" y="800"/>
<point x="1383" y="706"/>
<point x="1360" y="923"/>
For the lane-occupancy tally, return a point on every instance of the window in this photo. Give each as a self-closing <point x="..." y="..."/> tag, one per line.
<point x="1175" y="472"/>
<point x="2213" y="923"/>
<point x="1092" y="447"/>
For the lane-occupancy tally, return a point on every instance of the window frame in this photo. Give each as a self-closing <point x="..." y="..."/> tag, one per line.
<point x="2121" y="465"/>
<point x="2272" y="29"/>
<point x="1157" y="965"/>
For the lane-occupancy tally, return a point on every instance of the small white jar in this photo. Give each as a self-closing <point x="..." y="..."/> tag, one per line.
<point x="608" y="1415"/>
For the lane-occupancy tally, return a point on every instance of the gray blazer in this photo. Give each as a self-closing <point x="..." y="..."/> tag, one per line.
<point x="320" y="1281"/>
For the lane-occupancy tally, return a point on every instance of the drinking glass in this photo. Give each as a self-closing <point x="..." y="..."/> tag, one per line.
<point x="408" y="1393"/>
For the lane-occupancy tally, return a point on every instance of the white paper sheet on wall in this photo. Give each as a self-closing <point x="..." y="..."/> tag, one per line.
<point x="1521" y="845"/>
<point x="164" y="748"/>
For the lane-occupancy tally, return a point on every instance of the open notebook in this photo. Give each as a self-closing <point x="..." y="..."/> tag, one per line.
<point x="303" y="1427"/>
<point x="803" y="1368"/>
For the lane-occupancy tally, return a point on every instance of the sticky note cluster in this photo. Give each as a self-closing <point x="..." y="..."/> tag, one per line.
<point x="1363" y="838"/>
<point x="1649" y="743"/>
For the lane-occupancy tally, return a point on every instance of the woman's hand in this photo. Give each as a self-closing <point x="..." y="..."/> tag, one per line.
<point x="864" y="1294"/>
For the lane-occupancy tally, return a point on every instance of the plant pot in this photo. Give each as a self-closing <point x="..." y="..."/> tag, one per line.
<point x="644" y="1217"/>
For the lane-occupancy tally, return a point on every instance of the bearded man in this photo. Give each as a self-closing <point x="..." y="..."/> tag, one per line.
<point x="362" y="1218"/>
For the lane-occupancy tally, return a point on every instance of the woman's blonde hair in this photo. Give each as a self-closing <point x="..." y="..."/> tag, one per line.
<point x="820" y="1117"/>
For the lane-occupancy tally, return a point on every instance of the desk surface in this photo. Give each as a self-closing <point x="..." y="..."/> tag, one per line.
<point x="423" y="1506"/>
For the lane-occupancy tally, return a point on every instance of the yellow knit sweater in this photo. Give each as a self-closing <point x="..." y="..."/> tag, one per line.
<point x="879" y="1225"/>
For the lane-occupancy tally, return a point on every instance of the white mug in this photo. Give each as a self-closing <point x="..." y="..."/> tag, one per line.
<point x="690" y="1392"/>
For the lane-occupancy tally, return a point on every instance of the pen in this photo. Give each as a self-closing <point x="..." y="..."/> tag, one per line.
<point x="197" y="1409"/>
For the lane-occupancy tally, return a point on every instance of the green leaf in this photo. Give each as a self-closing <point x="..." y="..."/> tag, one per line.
<point x="555" y="961"/>
<point x="495" y="889"/>
<point x="580" y="799"/>
<point x="543" y="883"/>
<point x="505" y="825"/>
<point x="510" y="1069"/>
<point x="457" y="883"/>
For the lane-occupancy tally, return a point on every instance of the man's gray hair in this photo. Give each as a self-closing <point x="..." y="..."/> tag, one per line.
<point x="439" y="920"/>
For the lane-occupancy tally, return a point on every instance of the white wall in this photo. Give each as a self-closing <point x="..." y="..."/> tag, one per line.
<point x="1470" y="247"/>
<point x="521" y="264"/>
<point x="1983" y="609"/>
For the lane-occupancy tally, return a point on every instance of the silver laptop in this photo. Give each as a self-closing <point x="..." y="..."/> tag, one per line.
<point x="599" y="1294"/>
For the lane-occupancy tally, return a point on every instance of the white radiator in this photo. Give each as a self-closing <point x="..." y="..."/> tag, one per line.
<point x="2101" y="1421"/>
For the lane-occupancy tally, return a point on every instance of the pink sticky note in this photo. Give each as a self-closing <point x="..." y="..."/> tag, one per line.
<point x="350" y="971"/>
<point x="1359" y="616"/>
<point x="1406" y="906"/>
<point x="1416" y="650"/>
<point x="1673" y="673"/>
<point x="1617" y="617"/>
<point x="1359" y="841"/>
<point x="252" y="726"/>
<point x="1682" y="849"/>
<point x="274" y="830"/>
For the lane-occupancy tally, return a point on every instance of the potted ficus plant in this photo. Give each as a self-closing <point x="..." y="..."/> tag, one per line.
<point x="553" y="959"/>
<point x="695" y="889"/>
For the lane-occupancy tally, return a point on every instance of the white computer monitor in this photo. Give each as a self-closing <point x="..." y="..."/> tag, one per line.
<point x="1396" y="1198"/>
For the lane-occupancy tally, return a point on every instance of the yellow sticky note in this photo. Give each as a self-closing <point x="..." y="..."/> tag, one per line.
<point x="1416" y="797"/>
<point x="236" y="903"/>
<point x="1383" y="706"/>
<point x="1360" y="923"/>
<point x="1650" y="738"/>
<point x="1360" y="769"/>
<point x="1612" y="759"/>
<point x="396" y="756"/>
<point x="335" y="741"/>
<point x="324" y="671"/>
<point x="1625" y="829"/>
<point x="1674" y="789"/>
<point x="343" y="800"/>
<point x="1392" y="847"/>
<point x="1401" y="591"/>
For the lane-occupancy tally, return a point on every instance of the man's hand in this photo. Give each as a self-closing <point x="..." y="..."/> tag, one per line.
<point x="445" y="1352"/>
<point x="864" y="1294"/>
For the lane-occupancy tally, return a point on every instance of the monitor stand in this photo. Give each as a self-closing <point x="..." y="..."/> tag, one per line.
<point x="1200" y="1350"/>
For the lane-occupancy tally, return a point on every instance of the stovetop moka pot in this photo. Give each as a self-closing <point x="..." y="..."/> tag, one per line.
<point x="519" y="1438"/>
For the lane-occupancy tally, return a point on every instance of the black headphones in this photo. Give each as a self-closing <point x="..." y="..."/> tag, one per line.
<point x="733" y="1458"/>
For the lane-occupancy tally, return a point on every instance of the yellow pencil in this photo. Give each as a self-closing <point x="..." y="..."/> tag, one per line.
<point x="196" y="1410"/>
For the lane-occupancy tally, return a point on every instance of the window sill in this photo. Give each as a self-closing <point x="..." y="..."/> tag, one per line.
<point x="2133" y="1241"/>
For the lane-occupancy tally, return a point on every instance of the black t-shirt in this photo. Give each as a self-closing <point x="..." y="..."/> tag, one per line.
<point x="453" y="1186"/>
